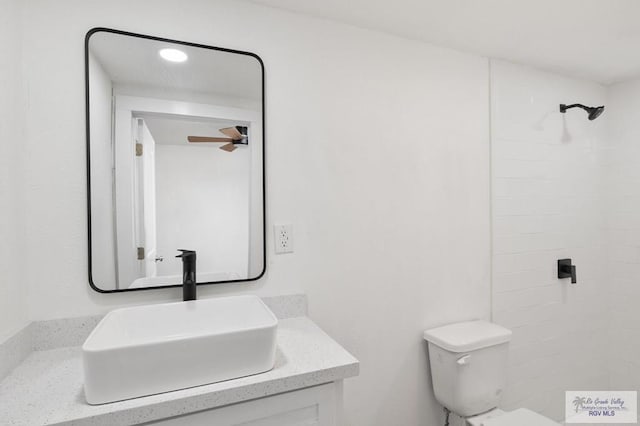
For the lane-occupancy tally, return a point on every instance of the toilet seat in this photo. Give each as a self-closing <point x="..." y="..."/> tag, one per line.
<point x="520" y="417"/>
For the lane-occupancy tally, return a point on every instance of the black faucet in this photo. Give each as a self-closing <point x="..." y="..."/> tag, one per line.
<point x="188" y="274"/>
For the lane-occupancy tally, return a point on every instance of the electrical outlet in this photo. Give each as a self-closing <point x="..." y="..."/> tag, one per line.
<point x="283" y="238"/>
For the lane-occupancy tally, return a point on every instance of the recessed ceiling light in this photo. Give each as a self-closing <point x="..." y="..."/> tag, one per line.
<point x="173" y="55"/>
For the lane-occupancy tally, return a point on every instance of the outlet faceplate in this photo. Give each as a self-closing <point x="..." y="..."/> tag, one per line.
<point x="283" y="234"/>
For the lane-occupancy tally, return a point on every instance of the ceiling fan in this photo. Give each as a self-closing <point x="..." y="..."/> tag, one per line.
<point x="237" y="135"/>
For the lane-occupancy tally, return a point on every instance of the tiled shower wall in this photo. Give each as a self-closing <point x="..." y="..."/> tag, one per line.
<point x="547" y="177"/>
<point x="623" y="232"/>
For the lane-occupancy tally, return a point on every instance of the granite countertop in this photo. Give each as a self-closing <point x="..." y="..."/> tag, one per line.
<point x="46" y="388"/>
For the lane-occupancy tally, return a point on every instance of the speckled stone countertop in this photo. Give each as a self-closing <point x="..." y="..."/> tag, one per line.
<point x="46" y="389"/>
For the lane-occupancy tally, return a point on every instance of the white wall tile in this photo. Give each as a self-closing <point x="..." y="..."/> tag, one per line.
<point x="622" y="189"/>
<point x="547" y="205"/>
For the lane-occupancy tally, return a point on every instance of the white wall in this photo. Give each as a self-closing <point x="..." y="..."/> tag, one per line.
<point x="377" y="151"/>
<point x="547" y="174"/>
<point x="202" y="204"/>
<point x="623" y="231"/>
<point x="13" y="282"/>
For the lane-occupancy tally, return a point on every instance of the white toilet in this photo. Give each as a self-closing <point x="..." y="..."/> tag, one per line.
<point x="469" y="368"/>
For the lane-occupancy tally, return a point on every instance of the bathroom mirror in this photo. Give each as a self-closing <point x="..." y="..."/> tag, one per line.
<point x="175" y="160"/>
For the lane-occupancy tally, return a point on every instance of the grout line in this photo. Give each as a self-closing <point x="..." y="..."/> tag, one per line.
<point x="489" y="98"/>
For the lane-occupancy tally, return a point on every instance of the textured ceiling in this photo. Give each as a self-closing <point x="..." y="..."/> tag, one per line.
<point x="135" y="61"/>
<point x="597" y="40"/>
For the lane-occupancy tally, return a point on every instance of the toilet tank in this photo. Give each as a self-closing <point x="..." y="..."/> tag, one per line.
<point x="468" y="365"/>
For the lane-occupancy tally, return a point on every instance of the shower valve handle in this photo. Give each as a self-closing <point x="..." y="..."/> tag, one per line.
<point x="567" y="270"/>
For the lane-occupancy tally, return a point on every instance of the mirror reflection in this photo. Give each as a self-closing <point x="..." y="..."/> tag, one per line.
<point x="175" y="142"/>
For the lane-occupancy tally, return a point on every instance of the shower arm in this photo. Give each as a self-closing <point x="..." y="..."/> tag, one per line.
<point x="564" y="108"/>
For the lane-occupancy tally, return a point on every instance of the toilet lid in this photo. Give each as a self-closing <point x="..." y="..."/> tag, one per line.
<point x="520" y="417"/>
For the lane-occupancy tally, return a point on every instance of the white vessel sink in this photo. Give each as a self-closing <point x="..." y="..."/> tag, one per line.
<point x="152" y="349"/>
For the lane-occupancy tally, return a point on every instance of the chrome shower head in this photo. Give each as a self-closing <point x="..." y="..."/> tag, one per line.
<point x="594" y="112"/>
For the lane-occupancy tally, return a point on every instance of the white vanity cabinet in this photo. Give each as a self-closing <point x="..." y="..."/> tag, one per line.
<point x="314" y="406"/>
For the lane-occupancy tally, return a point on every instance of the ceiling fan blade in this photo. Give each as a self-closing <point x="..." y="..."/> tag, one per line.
<point x="207" y="139"/>
<point x="232" y="132"/>
<point x="230" y="147"/>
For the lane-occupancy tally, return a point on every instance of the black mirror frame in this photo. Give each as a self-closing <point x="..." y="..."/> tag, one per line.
<point x="88" y="156"/>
